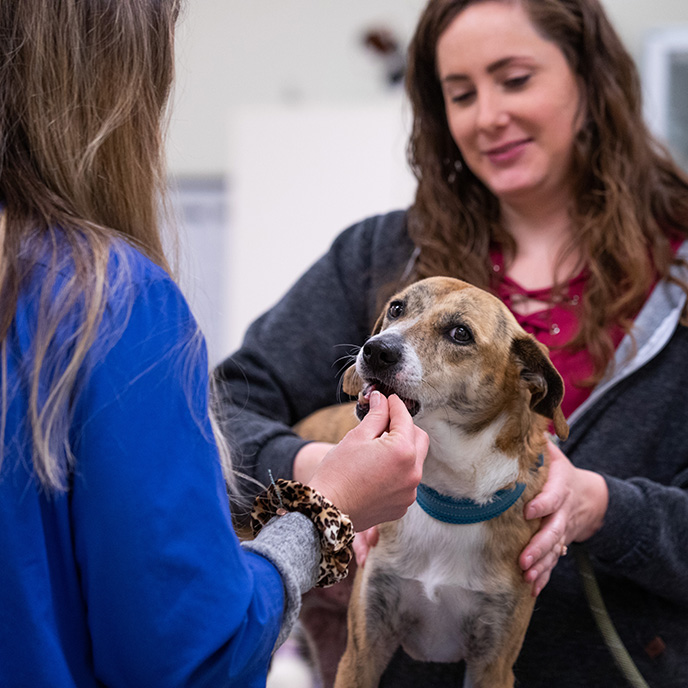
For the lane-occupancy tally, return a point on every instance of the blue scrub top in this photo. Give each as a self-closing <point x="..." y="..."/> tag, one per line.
<point x="134" y="577"/>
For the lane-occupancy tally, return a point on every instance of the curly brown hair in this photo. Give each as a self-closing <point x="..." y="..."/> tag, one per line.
<point x="630" y="196"/>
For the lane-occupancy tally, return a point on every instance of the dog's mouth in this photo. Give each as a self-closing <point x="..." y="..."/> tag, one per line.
<point x="363" y="405"/>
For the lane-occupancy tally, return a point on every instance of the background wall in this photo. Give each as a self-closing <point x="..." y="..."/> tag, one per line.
<point x="277" y="108"/>
<point x="233" y="52"/>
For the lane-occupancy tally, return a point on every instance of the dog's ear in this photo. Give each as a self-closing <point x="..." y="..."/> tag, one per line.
<point x="543" y="381"/>
<point x="351" y="382"/>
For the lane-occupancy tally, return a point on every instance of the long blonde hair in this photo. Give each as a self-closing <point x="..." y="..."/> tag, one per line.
<point x="84" y="86"/>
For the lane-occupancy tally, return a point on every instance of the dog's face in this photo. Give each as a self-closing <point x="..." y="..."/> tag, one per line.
<point x="442" y="344"/>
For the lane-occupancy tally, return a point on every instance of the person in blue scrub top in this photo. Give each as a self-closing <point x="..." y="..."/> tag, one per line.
<point x="120" y="566"/>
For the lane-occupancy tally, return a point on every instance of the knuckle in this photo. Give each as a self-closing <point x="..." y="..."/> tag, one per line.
<point x="406" y="454"/>
<point x="556" y="532"/>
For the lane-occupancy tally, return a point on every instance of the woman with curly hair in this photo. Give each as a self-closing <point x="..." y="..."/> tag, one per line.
<point x="537" y="180"/>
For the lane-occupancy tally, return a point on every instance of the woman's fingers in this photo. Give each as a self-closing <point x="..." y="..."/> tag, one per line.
<point x="539" y="574"/>
<point x="373" y="473"/>
<point x="555" y="489"/>
<point x="554" y="506"/>
<point x="401" y="422"/>
<point x="377" y="420"/>
<point x="551" y="534"/>
<point x="410" y="442"/>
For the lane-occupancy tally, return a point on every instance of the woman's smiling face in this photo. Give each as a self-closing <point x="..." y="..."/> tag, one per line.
<point x="512" y="102"/>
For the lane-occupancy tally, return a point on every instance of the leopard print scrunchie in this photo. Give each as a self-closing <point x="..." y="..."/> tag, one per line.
<point x="335" y="528"/>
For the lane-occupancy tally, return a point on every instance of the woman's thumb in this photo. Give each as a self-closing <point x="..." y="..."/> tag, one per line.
<point x="376" y="420"/>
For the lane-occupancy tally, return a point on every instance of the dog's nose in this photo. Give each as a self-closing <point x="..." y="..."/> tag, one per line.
<point x="380" y="355"/>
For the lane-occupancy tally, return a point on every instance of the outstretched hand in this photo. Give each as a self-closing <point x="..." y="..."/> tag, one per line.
<point x="572" y="506"/>
<point x="373" y="473"/>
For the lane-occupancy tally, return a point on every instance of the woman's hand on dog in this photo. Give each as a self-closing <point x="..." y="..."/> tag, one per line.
<point x="572" y="506"/>
<point x="373" y="473"/>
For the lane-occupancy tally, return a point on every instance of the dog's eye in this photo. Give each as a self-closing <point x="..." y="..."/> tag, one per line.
<point x="460" y="334"/>
<point x="396" y="309"/>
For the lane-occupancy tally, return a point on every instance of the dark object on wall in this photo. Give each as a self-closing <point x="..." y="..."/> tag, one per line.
<point x="382" y="42"/>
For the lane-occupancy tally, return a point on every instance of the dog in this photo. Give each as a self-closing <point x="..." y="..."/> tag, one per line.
<point x="443" y="581"/>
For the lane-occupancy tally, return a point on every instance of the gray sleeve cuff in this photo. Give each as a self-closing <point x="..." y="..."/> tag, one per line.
<point x="277" y="455"/>
<point x="292" y="544"/>
<point x="625" y="540"/>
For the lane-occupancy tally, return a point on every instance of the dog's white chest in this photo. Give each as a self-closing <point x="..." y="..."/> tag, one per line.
<point x="441" y="587"/>
<point x="436" y="553"/>
<point x="438" y="632"/>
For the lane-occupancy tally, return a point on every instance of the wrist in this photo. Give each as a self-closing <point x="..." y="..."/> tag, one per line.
<point x="335" y="530"/>
<point x="308" y="459"/>
<point x="594" y="504"/>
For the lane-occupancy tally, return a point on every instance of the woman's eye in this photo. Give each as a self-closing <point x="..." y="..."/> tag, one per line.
<point x="462" y="98"/>
<point x="396" y="309"/>
<point x="517" y="81"/>
<point x="460" y="334"/>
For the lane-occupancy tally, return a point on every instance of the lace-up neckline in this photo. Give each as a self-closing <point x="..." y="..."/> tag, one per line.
<point x="555" y="324"/>
<point x="556" y="315"/>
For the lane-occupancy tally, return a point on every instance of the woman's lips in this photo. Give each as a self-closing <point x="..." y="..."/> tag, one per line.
<point x="507" y="152"/>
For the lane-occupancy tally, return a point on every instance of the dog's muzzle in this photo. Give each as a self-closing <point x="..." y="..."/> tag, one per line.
<point x="379" y="362"/>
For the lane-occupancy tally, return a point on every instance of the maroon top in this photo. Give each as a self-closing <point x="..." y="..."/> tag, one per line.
<point x="556" y="324"/>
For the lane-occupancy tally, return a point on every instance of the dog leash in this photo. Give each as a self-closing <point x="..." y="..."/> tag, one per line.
<point x="604" y="622"/>
<point x="623" y="659"/>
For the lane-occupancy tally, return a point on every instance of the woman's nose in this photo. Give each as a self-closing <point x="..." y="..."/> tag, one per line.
<point x="491" y="112"/>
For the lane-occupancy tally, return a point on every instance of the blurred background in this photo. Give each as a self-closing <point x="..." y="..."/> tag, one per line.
<point x="289" y="123"/>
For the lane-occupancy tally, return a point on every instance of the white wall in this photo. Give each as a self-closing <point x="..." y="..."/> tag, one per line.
<point x="233" y="52"/>
<point x="304" y="172"/>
